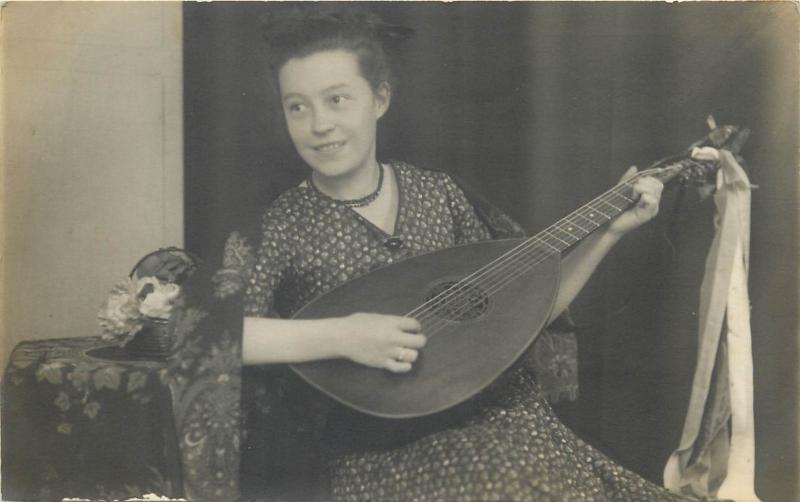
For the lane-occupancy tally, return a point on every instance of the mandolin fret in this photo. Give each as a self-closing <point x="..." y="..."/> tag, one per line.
<point x="608" y="211"/>
<point x="573" y="228"/>
<point x="564" y="235"/>
<point x="551" y="232"/>
<point x="548" y="242"/>
<point x="594" y="216"/>
<point x="585" y="221"/>
<point x="620" y="199"/>
<point x="614" y="207"/>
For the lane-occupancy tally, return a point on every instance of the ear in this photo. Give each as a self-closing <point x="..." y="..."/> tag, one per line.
<point x="383" y="97"/>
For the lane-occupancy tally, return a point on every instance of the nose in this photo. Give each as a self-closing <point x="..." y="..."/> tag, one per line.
<point x="321" y="122"/>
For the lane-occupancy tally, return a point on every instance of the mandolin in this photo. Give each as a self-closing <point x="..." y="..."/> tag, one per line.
<point x="480" y="305"/>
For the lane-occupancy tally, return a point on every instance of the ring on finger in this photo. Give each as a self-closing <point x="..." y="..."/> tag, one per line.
<point x="401" y="357"/>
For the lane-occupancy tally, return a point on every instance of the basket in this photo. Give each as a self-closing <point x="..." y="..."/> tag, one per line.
<point x="154" y="340"/>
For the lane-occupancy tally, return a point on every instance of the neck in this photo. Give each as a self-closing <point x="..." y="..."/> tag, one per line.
<point x="352" y="185"/>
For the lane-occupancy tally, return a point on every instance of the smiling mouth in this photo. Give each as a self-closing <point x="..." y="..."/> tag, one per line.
<point x="329" y="147"/>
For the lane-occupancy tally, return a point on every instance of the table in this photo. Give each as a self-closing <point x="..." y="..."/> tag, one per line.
<point x="81" y="419"/>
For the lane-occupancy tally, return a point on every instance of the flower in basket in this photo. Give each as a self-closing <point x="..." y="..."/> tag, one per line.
<point x="149" y="295"/>
<point x="134" y="302"/>
<point x="158" y="298"/>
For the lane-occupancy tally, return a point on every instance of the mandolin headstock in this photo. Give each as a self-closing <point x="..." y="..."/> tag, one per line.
<point x="727" y="137"/>
<point x="700" y="173"/>
<point x="693" y="168"/>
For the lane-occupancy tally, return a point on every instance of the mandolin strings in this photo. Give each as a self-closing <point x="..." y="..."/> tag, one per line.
<point x="520" y="254"/>
<point x="518" y="260"/>
<point x="519" y="257"/>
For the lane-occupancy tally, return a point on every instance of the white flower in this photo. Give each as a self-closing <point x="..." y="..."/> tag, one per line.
<point x="158" y="304"/>
<point x="120" y="312"/>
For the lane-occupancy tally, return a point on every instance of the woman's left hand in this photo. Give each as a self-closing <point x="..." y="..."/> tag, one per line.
<point x="648" y="191"/>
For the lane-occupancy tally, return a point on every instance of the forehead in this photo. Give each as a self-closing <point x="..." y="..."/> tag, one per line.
<point x="316" y="72"/>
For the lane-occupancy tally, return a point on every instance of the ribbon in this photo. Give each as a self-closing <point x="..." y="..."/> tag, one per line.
<point x="716" y="454"/>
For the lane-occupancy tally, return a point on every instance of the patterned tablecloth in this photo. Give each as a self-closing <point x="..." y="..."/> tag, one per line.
<point x="81" y="418"/>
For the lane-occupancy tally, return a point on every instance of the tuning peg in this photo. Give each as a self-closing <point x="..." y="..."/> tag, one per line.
<point x="737" y="142"/>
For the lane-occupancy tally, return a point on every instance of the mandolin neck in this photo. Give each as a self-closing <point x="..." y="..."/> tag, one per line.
<point x="582" y="222"/>
<point x="460" y="296"/>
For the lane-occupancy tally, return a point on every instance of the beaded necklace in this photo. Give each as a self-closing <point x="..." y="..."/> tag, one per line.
<point x="360" y="202"/>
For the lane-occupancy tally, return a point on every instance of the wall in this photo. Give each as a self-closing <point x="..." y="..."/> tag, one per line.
<point x="92" y="153"/>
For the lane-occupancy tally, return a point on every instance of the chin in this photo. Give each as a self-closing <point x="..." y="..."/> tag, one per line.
<point x="332" y="168"/>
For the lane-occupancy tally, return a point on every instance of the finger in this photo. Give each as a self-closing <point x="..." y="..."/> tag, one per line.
<point x="408" y="324"/>
<point x="650" y="184"/>
<point x="397" y="366"/>
<point x="652" y="187"/>
<point x="411" y="341"/>
<point x="406" y="355"/>
<point x="630" y="173"/>
<point x="648" y="201"/>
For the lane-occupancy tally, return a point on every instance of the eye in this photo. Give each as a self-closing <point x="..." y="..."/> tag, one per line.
<point x="338" y="99"/>
<point x="295" y="108"/>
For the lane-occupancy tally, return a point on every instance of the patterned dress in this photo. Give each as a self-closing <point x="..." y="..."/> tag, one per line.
<point x="505" y="444"/>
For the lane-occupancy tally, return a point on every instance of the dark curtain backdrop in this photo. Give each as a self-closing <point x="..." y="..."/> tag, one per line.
<point x="541" y="106"/>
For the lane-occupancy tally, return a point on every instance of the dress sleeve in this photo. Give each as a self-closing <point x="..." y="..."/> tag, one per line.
<point x="271" y="268"/>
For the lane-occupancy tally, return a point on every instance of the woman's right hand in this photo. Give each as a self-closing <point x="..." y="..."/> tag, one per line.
<point x="381" y="341"/>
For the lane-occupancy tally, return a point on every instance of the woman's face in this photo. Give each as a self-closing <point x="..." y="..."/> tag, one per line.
<point x="331" y="111"/>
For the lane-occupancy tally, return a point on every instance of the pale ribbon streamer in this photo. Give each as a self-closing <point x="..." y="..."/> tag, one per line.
<point x="723" y="465"/>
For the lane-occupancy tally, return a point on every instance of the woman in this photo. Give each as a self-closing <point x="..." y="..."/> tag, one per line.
<point x="335" y="84"/>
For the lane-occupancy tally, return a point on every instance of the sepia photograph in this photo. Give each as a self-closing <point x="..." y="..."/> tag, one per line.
<point x="400" y="251"/>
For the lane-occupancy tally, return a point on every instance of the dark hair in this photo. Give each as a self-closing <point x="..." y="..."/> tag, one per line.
<point x="302" y="31"/>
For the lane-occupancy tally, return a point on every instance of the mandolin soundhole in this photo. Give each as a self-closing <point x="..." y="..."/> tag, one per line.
<point x="457" y="302"/>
